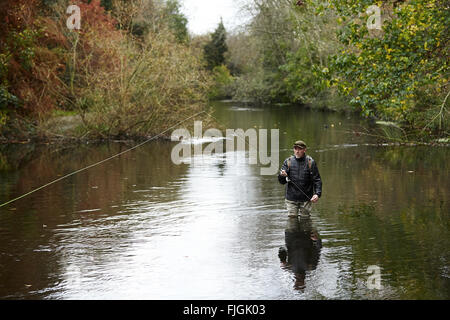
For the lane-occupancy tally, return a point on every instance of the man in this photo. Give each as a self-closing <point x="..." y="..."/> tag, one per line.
<point x="304" y="183"/>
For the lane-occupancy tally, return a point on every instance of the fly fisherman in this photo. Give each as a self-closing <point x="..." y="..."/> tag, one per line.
<point x="304" y="183"/>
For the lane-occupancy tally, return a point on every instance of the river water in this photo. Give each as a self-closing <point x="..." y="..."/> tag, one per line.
<point x="141" y="227"/>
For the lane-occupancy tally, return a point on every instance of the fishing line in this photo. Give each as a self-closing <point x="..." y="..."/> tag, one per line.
<point x="100" y="162"/>
<point x="298" y="188"/>
<point x="249" y="147"/>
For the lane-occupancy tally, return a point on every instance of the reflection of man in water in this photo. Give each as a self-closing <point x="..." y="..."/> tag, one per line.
<point x="302" y="249"/>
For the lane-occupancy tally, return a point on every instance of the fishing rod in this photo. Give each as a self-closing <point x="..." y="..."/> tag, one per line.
<point x="289" y="180"/>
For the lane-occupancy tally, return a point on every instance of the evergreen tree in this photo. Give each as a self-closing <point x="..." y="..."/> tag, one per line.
<point x="215" y="49"/>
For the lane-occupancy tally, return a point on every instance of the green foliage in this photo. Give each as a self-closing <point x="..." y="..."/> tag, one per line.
<point x="107" y="4"/>
<point x="7" y="100"/>
<point x="22" y="44"/>
<point x="301" y="79"/>
<point x="253" y="87"/>
<point x="223" y="83"/>
<point x="262" y="50"/>
<point x="4" y="65"/>
<point x="399" y="73"/>
<point x="49" y="3"/>
<point x="312" y="51"/>
<point x="292" y="46"/>
<point x="139" y="17"/>
<point x="4" y="164"/>
<point x="214" y="51"/>
<point x="177" y="21"/>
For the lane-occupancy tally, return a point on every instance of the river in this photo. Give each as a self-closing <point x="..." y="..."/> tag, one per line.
<point x="141" y="227"/>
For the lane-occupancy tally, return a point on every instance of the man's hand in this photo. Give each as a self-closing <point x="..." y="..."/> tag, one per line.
<point x="283" y="173"/>
<point x="315" y="198"/>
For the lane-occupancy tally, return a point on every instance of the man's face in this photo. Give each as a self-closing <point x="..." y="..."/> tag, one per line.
<point x="299" y="152"/>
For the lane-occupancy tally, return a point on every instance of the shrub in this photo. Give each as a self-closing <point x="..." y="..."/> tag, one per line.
<point x="223" y="83"/>
<point x="400" y="73"/>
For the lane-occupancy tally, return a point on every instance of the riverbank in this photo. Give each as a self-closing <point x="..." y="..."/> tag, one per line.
<point x="63" y="128"/>
<point x="101" y="82"/>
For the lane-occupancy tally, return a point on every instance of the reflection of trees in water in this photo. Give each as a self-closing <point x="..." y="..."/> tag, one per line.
<point x="4" y="164"/>
<point x="394" y="202"/>
<point x="390" y="177"/>
<point x="302" y="250"/>
<point x="13" y="157"/>
<point x="35" y="254"/>
<point x="149" y="165"/>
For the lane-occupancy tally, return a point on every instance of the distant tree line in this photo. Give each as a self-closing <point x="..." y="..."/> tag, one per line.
<point x="324" y="54"/>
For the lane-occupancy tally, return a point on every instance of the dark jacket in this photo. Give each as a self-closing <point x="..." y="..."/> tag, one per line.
<point x="308" y="180"/>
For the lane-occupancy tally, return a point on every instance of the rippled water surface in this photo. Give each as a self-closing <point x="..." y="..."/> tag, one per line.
<point x="141" y="227"/>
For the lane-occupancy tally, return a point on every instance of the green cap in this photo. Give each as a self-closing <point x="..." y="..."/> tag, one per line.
<point x="300" y="144"/>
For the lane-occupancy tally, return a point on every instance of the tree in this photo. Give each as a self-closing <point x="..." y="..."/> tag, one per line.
<point x="177" y="20"/>
<point x="214" y="50"/>
<point x="400" y="73"/>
